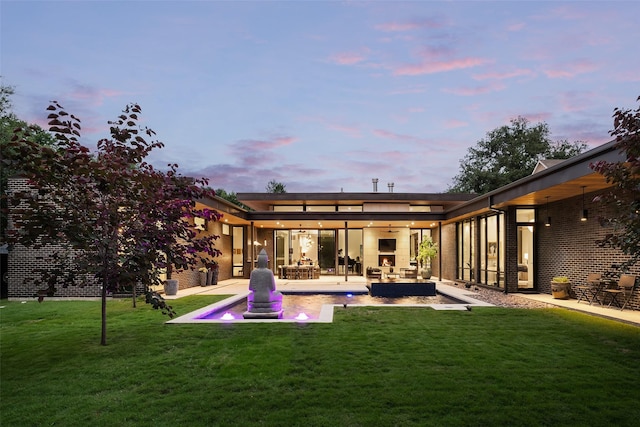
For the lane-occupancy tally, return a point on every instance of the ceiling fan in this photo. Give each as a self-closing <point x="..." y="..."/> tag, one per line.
<point x="390" y="230"/>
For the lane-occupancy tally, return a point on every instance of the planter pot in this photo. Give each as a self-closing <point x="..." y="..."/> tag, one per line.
<point x="426" y="273"/>
<point x="212" y="277"/>
<point x="561" y="290"/>
<point x="203" y="278"/>
<point x="171" y="287"/>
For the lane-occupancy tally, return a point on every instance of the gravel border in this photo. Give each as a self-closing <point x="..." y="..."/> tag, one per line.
<point x="500" y="299"/>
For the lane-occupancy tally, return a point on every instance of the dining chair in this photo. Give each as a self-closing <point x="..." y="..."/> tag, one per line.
<point x="626" y="287"/>
<point x="589" y="290"/>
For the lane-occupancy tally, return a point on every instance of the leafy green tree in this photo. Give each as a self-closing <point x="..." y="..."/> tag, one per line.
<point x="113" y="218"/>
<point x="276" y="187"/>
<point x="507" y="154"/>
<point x="231" y="197"/>
<point x="8" y="124"/>
<point x="6" y="92"/>
<point x="624" y="197"/>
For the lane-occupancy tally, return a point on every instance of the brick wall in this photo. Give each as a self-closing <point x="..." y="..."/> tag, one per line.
<point x="568" y="248"/>
<point x="511" y="250"/>
<point x="22" y="261"/>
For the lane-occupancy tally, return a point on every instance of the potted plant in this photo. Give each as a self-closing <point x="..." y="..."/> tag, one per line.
<point x="427" y="251"/>
<point x="203" y="271"/>
<point x="560" y="287"/>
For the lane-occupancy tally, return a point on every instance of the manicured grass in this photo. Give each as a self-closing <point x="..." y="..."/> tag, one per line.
<point x="371" y="367"/>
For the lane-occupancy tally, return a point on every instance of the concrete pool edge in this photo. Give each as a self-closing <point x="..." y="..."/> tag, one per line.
<point x="327" y="310"/>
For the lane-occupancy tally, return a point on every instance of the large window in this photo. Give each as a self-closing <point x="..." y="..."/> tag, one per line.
<point x="466" y="244"/>
<point x="486" y="236"/>
<point x="492" y="251"/>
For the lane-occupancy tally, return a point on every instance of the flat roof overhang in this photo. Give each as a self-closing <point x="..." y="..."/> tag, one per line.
<point x="265" y="217"/>
<point x="265" y="201"/>
<point x="559" y="182"/>
<point x="231" y="213"/>
<point x="336" y="220"/>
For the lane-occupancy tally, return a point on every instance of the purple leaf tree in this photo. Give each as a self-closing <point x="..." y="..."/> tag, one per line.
<point x="106" y="214"/>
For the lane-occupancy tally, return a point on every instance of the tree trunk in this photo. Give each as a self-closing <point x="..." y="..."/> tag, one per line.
<point x="103" y="338"/>
<point x="135" y="296"/>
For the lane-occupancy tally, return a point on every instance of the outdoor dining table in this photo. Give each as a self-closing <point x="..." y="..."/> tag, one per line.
<point x="601" y="285"/>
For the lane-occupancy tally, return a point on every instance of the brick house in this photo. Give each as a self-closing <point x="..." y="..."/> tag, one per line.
<point x="513" y="239"/>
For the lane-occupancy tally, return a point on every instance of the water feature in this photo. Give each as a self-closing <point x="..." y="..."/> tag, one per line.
<point x="263" y="301"/>
<point x="312" y="307"/>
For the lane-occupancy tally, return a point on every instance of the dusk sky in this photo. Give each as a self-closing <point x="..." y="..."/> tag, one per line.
<point x="324" y="96"/>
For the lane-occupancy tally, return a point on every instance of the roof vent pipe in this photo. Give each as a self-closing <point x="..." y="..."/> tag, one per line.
<point x="375" y="185"/>
<point x="390" y="185"/>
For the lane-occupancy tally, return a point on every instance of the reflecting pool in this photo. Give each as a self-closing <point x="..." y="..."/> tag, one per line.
<point x="312" y="307"/>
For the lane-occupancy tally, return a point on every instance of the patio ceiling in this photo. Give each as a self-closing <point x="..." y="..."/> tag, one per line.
<point x="572" y="188"/>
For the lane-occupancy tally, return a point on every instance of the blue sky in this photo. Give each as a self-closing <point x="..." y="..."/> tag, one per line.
<point x="324" y="96"/>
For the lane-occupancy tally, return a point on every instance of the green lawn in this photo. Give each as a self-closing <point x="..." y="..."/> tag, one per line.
<point x="371" y="367"/>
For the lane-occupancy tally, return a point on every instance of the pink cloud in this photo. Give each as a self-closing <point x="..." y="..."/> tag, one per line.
<point x="438" y="66"/>
<point x="520" y="72"/>
<point x="250" y="148"/>
<point x="571" y="69"/>
<point x="280" y="141"/>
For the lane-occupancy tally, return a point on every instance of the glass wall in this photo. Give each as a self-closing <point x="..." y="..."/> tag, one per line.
<point x="354" y="251"/>
<point x="415" y="237"/>
<point x="492" y="251"/>
<point x="466" y="243"/>
<point x="305" y="247"/>
<point x="486" y="235"/>
<point x="283" y="244"/>
<point x="237" y="256"/>
<point x="327" y="251"/>
<point x="326" y="248"/>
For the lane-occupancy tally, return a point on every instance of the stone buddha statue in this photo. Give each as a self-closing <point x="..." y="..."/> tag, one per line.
<point x="263" y="300"/>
